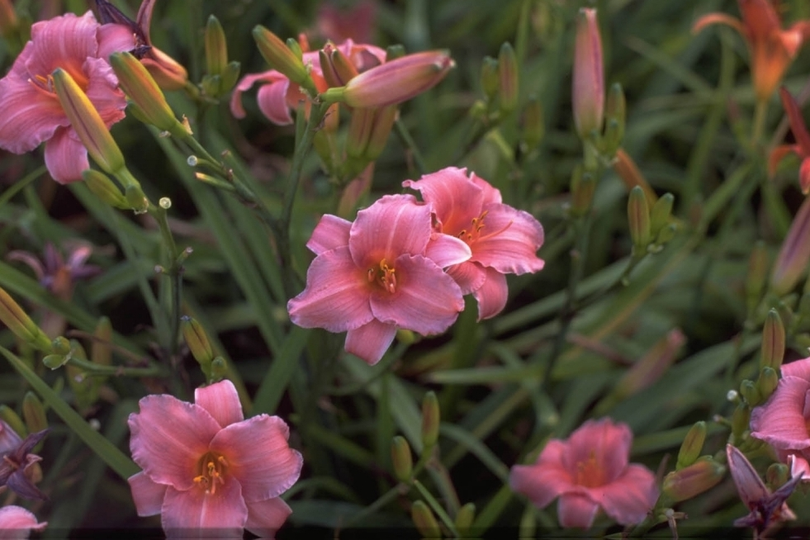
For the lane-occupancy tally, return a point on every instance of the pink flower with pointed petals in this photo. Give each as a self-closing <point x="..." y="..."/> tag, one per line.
<point x="206" y="470"/>
<point x="588" y="471"/>
<point x="782" y="421"/>
<point x="17" y="522"/>
<point x="503" y="240"/>
<point x="30" y="112"/>
<point x="278" y="95"/>
<point x="378" y="274"/>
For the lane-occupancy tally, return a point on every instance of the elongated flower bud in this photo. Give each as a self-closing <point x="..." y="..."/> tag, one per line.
<point x="216" y="48"/>
<point x="383" y="123"/>
<point x="464" y="519"/>
<point x="20" y="324"/>
<point x="87" y="123"/>
<point x="692" y="445"/>
<point x="693" y="480"/>
<point x="431" y="417"/>
<point x="424" y="520"/>
<point x="280" y="57"/>
<point x="615" y="120"/>
<point x="630" y="174"/>
<point x="773" y="341"/>
<point x="767" y="381"/>
<point x="34" y="413"/>
<point x="401" y="459"/>
<point x="508" y="78"/>
<point x="660" y="213"/>
<point x="198" y="343"/>
<point x="588" y="95"/>
<point x="533" y="126"/>
<point x="638" y="217"/>
<point x="142" y="89"/>
<point x="393" y="82"/>
<point x="104" y="188"/>
<point x="795" y="252"/>
<point x="489" y="77"/>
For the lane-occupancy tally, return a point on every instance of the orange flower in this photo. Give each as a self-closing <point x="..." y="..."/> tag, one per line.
<point x="772" y="49"/>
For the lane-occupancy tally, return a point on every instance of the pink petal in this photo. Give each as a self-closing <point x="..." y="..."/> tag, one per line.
<point x="65" y="156"/>
<point x="259" y="456"/>
<point x="16" y="518"/>
<point x="221" y="401"/>
<point x="246" y="84"/>
<point x="330" y="233"/>
<point x="103" y="91"/>
<point x="28" y="116"/>
<point x="604" y="441"/>
<point x="797" y="368"/>
<point x="148" y="495"/>
<point x="545" y="480"/>
<point x="272" y="99"/>
<point x="630" y="497"/>
<point x="370" y="341"/>
<point x="169" y="437"/>
<point x="491" y="194"/>
<point x="197" y="514"/>
<point x="470" y="276"/>
<point x="576" y="510"/>
<point x="336" y="295"/>
<point x="446" y="250"/>
<point x="492" y="294"/>
<point x="426" y="300"/>
<point x="781" y="422"/>
<point x="509" y="242"/>
<point x="65" y="41"/>
<point x="114" y="38"/>
<point x="798" y="466"/>
<point x="456" y="199"/>
<point x="266" y="517"/>
<point x="393" y="225"/>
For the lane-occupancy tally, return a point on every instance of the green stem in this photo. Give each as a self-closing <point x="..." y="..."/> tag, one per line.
<point x="760" y="115"/>
<point x="98" y="370"/>
<point x="434" y="504"/>
<point x="409" y="144"/>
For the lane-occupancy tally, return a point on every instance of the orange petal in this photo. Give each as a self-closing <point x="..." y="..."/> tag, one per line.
<point x="718" y="18"/>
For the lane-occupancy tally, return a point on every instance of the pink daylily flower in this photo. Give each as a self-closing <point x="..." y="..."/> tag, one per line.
<point x="17" y="522"/>
<point x="588" y="471"/>
<point x="30" y="112"/>
<point x="783" y="420"/>
<point x="278" y="95"/>
<point x="378" y="274"/>
<point x="208" y="471"/>
<point x="503" y="240"/>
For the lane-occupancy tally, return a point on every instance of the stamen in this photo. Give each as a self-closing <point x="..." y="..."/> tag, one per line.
<point x="385" y="275"/>
<point x="212" y="468"/>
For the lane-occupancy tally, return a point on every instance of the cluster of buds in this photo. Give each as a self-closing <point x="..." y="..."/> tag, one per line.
<point x="650" y="228"/>
<point x="694" y="473"/>
<point x="221" y="75"/>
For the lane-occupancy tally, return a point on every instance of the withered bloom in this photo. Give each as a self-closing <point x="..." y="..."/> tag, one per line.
<point x="16" y="467"/>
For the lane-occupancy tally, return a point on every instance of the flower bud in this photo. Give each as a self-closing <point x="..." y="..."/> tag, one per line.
<point x="615" y="113"/>
<point x="55" y="361"/>
<point x="508" y="75"/>
<point x="393" y="82"/>
<point x="167" y="72"/>
<point x="136" y="199"/>
<point x="749" y="392"/>
<point x="533" y="126"/>
<point x="384" y="119"/>
<point x="424" y="520"/>
<point x="337" y="69"/>
<point x="20" y="324"/>
<point x="638" y="216"/>
<point x="219" y="369"/>
<point x="102" y="187"/>
<point x="464" y="519"/>
<point x="101" y="351"/>
<point x="777" y="475"/>
<point x="490" y="79"/>
<point x="360" y="126"/>
<point x="588" y="94"/>
<point x="627" y="170"/>
<point x="401" y="459"/>
<point x="10" y="419"/>
<point x="693" y="480"/>
<point x="692" y="445"/>
<point x="793" y="256"/>
<point x="87" y="123"/>
<point x="660" y="213"/>
<point x="60" y="345"/>
<point x="198" y="343"/>
<point x="229" y="77"/>
<point x="216" y="48"/>
<point x="582" y="187"/>
<point x="767" y="381"/>
<point x="431" y="417"/>
<point x="34" y="413"/>
<point x="142" y="89"/>
<point x="281" y="57"/>
<point x="740" y="420"/>
<point x="773" y="341"/>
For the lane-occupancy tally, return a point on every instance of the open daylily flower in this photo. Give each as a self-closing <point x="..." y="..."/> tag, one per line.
<point x="783" y="420"/>
<point x="772" y="49"/>
<point x="378" y="274"/>
<point x="502" y="239"/>
<point x="17" y="522"/>
<point x="30" y="111"/>
<point x="278" y="94"/>
<point x="589" y="471"/>
<point x="206" y="470"/>
<point x="766" y="508"/>
<point x="802" y="146"/>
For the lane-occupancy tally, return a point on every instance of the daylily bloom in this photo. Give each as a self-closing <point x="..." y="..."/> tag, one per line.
<point x="279" y="94"/>
<point x="378" y="274"/>
<point x="18" y="466"/>
<point x="772" y="49"/>
<point x="503" y="240"/>
<point x="17" y="522"/>
<point x="766" y="508"/>
<point x="802" y="146"/>
<point x="587" y="471"/>
<point x="207" y="470"/>
<point x="30" y="111"/>
<point x="783" y="420"/>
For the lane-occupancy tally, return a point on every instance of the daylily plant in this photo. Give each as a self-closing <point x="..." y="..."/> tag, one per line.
<point x="589" y="471"/>
<point x="207" y="470"/>
<point x="502" y="239"/>
<point x="30" y="111"/>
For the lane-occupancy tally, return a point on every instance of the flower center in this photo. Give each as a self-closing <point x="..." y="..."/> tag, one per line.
<point x="384" y="275"/>
<point x="43" y="84"/>
<point x="211" y="468"/>
<point x="474" y="232"/>
<point x="588" y="473"/>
